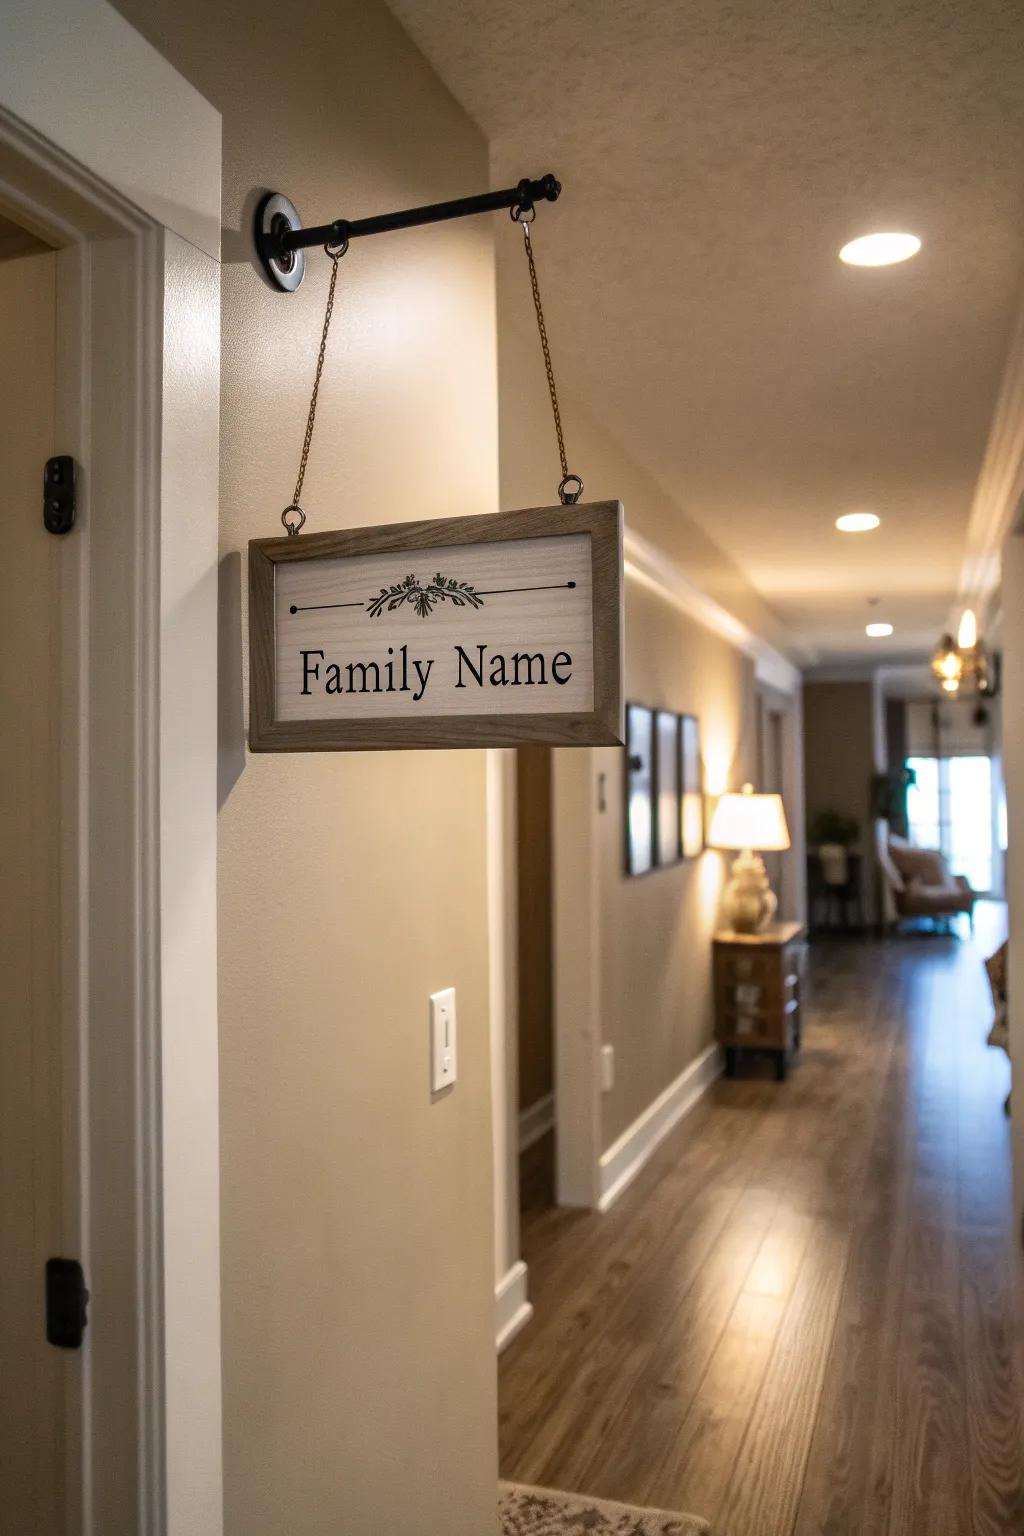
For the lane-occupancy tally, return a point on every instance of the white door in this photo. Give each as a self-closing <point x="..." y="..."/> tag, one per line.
<point x="37" y="1380"/>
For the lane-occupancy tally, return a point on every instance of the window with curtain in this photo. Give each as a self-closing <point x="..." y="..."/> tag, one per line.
<point x="954" y="804"/>
<point x="949" y="806"/>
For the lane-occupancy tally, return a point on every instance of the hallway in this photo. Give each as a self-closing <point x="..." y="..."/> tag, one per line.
<point x="796" y="1321"/>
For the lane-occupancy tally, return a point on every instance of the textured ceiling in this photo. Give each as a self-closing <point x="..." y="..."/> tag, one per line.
<point x="715" y="155"/>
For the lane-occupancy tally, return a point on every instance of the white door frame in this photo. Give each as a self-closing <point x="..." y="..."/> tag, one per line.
<point x="116" y="160"/>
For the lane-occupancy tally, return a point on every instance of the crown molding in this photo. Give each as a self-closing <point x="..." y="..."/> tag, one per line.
<point x="998" y="504"/>
<point x="652" y="568"/>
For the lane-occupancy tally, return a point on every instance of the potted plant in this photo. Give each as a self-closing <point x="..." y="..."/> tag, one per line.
<point x="834" y="835"/>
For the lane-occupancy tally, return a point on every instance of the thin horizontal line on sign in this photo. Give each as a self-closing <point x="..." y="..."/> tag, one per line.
<point x="313" y="607"/>
<point x="557" y="586"/>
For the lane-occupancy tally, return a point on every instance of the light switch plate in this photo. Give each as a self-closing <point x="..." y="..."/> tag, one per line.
<point x="607" y="1068"/>
<point x="443" y="1053"/>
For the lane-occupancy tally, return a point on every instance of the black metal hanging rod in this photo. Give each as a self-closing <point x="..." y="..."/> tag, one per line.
<point x="524" y="196"/>
<point x="280" y="238"/>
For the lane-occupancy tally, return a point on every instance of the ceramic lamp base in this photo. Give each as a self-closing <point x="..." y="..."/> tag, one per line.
<point x="748" y="901"/>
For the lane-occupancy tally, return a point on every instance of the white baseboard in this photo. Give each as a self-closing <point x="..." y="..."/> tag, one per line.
<point x="624" y="1159"/>
<point x="536" y="1121"/>
<point x="512" y="1309"/>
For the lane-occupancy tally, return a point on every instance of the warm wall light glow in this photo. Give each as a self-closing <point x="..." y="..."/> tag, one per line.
<point x="967" y="634"/>
<point x="712" y="879"/>
<point x="878" y="631"/>
<point x="881" y="250"/>
<point x="950" y="684"/>
<point x="692" y="821"/>
<point x="719" y="750"/>
<point x="857" y="522"/>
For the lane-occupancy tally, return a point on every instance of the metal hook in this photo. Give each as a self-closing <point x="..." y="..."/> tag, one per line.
<point x="293" y="527"/>
<point x="568" y="497"/>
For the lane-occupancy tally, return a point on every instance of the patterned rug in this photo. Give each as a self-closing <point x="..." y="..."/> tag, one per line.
<point x="542" y="1512"/>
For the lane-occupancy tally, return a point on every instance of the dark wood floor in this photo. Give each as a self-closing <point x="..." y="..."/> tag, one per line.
<point x="798" y="1319"/>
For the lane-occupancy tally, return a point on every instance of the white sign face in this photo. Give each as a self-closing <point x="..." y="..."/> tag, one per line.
<point x="470" y="629"/>
<point x="475" y="631"/>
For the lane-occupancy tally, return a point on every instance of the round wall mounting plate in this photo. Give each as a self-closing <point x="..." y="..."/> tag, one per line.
<point x="274" y="215"/>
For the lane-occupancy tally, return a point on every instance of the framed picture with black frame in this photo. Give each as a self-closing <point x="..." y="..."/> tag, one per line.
<point x="667" y="763"/>
<point x="691" y="788"/>
<point x="638" y="778"/>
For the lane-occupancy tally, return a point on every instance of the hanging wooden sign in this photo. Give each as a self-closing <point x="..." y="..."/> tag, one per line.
<point x="493" y="631"/>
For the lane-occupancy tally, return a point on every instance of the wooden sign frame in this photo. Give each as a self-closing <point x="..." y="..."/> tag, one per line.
<point x="600" y="726"/>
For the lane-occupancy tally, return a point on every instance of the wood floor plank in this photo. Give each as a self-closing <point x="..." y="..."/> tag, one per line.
<point x="848" y="1480"/>
<point x="798" y="1320"/>
<point x="996" y="1489"/>
<point x="776" y="1446"/>
<point x="577" y="1301"/>
<point x="931" y="1476"/>
<point x="778" y="1260"/>
<point x="580" y="1415"/>
<point x="659" y="1398"/>
<point x="696" y="1471"/>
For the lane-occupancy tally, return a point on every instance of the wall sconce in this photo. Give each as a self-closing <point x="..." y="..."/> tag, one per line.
<point x="947" y="664"/>
<point x="966" y="659"/>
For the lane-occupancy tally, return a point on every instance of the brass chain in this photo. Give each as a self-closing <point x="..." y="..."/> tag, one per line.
<point x="293" y="525"/>
<point x="571" y="487"/>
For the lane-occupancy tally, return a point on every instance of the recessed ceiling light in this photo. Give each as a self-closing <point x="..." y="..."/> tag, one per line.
<point x="882" y="250"/>
<point x="878" y="631"/>
<point x="857" y="522"/>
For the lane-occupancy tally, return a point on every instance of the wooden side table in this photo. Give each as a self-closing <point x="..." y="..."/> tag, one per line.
<point x="757" y="992"/>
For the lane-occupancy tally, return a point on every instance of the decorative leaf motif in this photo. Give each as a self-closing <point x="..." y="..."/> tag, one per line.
<point x="424" y="599"/>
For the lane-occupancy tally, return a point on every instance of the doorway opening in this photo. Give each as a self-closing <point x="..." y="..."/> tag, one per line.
<point x="771" y="724"/>
<point x="38" y="1380"/>
<point x="100" y="834"/>
<point x="535" y="1031"/>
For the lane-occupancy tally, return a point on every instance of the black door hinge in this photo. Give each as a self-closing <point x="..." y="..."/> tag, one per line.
<point x="67" y="1303"/>
<point x="59" y="494"/>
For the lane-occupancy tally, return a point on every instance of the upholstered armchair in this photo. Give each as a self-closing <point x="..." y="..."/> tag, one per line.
<point x="917" y="882"/>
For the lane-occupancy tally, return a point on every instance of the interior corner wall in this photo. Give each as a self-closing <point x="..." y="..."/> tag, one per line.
<point x="356" y="1215"/>
<point x="839" y="761"/>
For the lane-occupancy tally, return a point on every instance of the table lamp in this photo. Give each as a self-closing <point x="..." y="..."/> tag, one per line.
<point x="747" y="822"/>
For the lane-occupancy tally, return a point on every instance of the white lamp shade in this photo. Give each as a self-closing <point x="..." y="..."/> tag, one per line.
<point x="746" y="820"/>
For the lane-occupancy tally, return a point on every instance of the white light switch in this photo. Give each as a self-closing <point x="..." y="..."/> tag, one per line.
<point x="607" y="1068"/>
<point x="443" y="1058"/>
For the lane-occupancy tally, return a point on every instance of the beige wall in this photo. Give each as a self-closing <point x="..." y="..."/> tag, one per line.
<point x="839" y="761"/>
<point x="359" y="1378"/>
